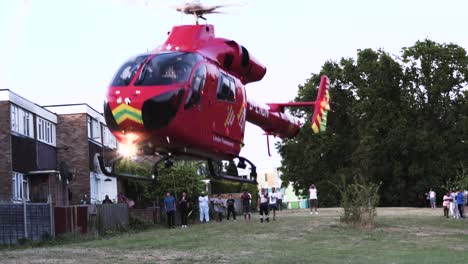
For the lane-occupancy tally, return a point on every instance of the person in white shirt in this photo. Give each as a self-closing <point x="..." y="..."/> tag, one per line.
<point x="263" y="201"/>
<point x="273" y="202"/>
<point x="432" y="198"/>
<point x="203" y="202"/>
<point x="453" y="204"/>
<point x="218" y="207"/>
<point x="313" y="198"/>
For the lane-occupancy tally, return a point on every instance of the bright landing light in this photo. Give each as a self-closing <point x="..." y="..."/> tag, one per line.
<point x="127" y="149"/>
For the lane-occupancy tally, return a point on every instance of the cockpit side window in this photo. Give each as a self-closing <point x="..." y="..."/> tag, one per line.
<point x="226" y="88"/>
<point x="196" y="87"/>
<point x="125" y="74"/>
<point x="168" y="68"/>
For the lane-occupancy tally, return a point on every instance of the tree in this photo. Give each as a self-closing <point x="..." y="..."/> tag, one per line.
<point x="182" y="177"/>
<point x="401" y="121"/>
<point x="231" y="169"/>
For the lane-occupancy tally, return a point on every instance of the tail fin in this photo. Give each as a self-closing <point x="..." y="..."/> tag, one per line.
<point x="322" y="105"/>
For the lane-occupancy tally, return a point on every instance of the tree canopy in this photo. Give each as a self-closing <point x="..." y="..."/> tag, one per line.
<point x="182" y="177"/>
<point x="399" y="120"/>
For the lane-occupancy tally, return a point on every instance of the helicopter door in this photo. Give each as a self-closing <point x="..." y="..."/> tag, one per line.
<point x="196" y="89"/>
<point x="194" y="116"/>
<point x="226" y="108"/>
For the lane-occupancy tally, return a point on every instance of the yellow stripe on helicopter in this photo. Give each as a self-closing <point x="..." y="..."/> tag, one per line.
<point x="124" y="112"/>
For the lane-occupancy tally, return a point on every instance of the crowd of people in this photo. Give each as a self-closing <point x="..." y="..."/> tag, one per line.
<point x="453" y="202"/>
<point x="268" y="202"/>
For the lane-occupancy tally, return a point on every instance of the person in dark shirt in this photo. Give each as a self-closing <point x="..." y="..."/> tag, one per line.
<point x="246" y="205"/>
<point x="460" y="203"/>
<point x="107" y="200"/>
<point x="263" y="201"/>
<point x="170" y="207"/>
<point x="230" y="206"/>
<point x="184" y="208"/>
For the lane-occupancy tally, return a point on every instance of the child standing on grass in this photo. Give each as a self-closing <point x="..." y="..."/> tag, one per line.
<point x="447" y="199"/>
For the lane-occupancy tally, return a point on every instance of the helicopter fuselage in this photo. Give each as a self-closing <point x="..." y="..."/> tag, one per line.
<point x="187" y="98"/>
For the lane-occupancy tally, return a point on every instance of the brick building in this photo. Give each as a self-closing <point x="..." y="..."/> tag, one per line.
<point x="50" y="150"/>
<point x="82" y="134"/>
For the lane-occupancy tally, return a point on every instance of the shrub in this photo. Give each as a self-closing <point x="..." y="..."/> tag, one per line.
<point x="359" y="201"/>
<point x="136" y="223"/>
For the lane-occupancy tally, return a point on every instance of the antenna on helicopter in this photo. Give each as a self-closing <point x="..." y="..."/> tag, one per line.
<point x="198" y="10"/>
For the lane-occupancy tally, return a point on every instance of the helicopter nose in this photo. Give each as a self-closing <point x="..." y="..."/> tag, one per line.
<point x="159" y="111"/>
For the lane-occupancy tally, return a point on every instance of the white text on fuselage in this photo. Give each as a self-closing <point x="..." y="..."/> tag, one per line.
<point x="223" y="141"/>
<point x="258" y="109"/>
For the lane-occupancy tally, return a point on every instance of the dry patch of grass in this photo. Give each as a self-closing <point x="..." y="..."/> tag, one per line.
<point x="74" y="255"/>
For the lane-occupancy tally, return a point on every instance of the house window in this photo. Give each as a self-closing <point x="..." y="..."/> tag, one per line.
<point x="108" y="139"/>
<point x="46" y="131"/>
<point x="21" y="121"/>
<point x="89" y="126"/>
<point x="20" y="187"/>
<point x="94" y="129"/>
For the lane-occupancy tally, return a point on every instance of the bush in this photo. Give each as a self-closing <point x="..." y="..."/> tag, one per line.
<point x="359" y="201"/>
<point x="136" y="223"/>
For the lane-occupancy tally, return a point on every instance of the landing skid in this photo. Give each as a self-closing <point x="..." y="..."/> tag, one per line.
<point x="168" y="163"/>
<point x="221" y="175"/>
<point x="112" y="173"/>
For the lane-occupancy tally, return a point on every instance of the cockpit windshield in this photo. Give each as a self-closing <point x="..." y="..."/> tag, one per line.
<point x="168" y="68"/>
<point x="125" y="74"/>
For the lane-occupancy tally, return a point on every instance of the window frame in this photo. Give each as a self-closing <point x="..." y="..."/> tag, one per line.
<point x="94" y="129"/>
<point x="108" y="139"/>
<point x="22" y="121"/>
<point x="46" y="131"/>
<point x="220" y="88"/>
<point x="199" y="70"/>
<point x="169" y="61"/>
<point x="20" y="187"/>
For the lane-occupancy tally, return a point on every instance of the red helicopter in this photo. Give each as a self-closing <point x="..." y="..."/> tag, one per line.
<point x="187" y="99"/>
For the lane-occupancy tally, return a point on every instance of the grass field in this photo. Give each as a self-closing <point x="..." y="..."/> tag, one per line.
<point x="403" y="235"/>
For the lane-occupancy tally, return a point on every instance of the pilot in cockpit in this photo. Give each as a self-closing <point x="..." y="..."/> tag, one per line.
<point x="175" y="71"/>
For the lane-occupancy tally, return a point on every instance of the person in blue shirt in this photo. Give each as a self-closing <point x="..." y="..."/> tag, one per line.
<point x="170" y="207"/>
<point x="460" y="203"/>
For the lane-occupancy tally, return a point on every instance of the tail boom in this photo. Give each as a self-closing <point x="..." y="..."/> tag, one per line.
<point x="274" y="121"/>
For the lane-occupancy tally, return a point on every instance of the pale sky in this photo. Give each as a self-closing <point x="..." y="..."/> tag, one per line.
<point x="67" y="51"/>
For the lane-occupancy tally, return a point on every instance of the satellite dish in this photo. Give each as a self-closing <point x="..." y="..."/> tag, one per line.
<point x="65" y="171"/>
